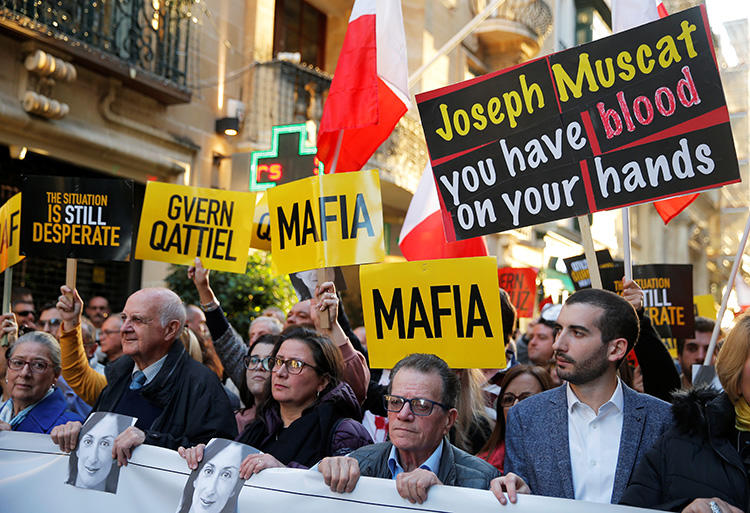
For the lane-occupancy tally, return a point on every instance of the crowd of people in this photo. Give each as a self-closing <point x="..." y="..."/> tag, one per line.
<point x="590" y="407"/>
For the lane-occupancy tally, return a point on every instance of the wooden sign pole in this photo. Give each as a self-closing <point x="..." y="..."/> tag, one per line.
<point x="588" y="248"/>
<point x="324" y="318"/>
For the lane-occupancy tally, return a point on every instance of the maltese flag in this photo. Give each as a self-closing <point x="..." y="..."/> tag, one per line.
<point x="627" y="14"/>
<point x="369" y="92"/>
<point x="422" y="236"/>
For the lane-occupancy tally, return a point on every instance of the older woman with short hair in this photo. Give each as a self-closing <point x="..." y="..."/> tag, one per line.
<point x="35" y="404"/>
<point x="702" y="464"/>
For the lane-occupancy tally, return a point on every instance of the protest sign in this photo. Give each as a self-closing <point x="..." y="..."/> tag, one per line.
<point x="179" y="223"/>
<point x="667" y="295"/>
<point x="433" y="306"/>
<point x="520" y="284"/>
<point x="578" y="268"/>
<point x="66" y="217"/>
<point x="261" y="234"/>
<point x="10" y="232"/>
<point x="326" y="221"/>
<point x="630" y="118"/>
<point x="33" y="473"/>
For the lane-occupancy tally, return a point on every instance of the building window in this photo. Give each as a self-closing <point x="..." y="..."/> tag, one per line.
<point x="300" y="27"/>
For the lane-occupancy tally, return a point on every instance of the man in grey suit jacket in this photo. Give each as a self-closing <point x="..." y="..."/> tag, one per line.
<point x="583" y="439"/>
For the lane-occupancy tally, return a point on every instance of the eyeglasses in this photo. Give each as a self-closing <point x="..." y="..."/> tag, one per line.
<point x="509" y="398"/>
<point x="51" y="322"/>
<point x="419" y="406"/>
<point x="25" y="313"/>
<point x="253" y="362"/>
<point x="293" y="366"/>
<point x="36" y="366"/>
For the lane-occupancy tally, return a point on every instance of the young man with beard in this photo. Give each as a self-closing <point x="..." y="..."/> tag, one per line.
<point x="583" y="439"/>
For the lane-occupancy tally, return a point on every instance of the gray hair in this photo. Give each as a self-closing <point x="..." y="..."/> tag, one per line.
<point x="45" y="339"/>
<point x="169" y="306"/>
<point x="274" y="327"/>
<point x="429" y="364"/>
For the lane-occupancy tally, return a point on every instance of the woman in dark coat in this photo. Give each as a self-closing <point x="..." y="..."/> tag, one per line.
<point x="309" y="413"/>
<point x="702" y="463"/>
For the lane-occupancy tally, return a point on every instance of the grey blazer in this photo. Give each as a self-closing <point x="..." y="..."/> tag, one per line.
<point x="537" y="446"/>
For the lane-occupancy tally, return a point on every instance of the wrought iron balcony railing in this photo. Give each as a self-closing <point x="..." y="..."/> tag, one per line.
<point x="285" y="93"/>
<point x="150" y="36"/>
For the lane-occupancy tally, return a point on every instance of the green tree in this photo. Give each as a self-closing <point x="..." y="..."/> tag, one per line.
<point x="242" y="296"/>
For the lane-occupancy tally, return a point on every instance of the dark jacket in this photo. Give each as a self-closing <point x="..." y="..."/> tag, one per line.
<point x="325" y="429"/>
<point x="195" y="406"/>
<point x="48" y="413"/>
<point x="696" y="458"/>
<point x="457" y="468"/>
<point x="660" y="376"/>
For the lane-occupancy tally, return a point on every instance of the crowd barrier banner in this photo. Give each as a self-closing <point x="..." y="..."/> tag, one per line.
<point x="10" y="232"/>
<point x="33" y="474"/>
<point x="179" y="223"/>
<point x="520" y="284"/>
<point x="667" y="295"/>
<point x="326" y="221"/>
<point x="73" y="217"/>
<point x="626" y="119"/>
<point x="447" y="307"/>
<point x="261" y="235"/>
<point x="578" y="268"/>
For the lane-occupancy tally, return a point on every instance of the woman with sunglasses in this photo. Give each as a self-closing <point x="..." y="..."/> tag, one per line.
<point x="35" y="405"/>
<point x="519" y="383"/>
<point x="309" y="413"/>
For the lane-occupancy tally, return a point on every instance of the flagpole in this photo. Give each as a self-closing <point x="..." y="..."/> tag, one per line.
<point x="336" y="153"/>
<point x="627" y="260"/>
<point x="455" y="40"/>
<point x="725" y="299"/>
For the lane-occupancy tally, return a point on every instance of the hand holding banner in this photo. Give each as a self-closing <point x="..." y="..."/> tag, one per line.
<point x="433" y="306"/>
<point x="326" y="221"/>
<point x="179" y="223"/>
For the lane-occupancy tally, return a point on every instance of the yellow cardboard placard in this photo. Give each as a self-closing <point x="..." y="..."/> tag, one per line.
<point x="261" y="235"/>
<point x="705" y="306"/>
<point x="179" y="223"/>
<point x="10" y="232"/>
<point x="326" y="221"/>
<point x="434" y="306"/>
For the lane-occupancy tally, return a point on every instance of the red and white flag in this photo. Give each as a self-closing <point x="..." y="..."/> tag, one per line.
<point x="422" y="236"/>
<point x="627" y="14"/>
<point x="369" y="92"/>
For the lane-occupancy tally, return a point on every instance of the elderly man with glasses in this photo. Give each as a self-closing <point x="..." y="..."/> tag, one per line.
<point x="421" y="411"/>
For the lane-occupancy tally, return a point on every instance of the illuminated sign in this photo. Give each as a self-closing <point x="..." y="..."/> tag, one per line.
<point x="290" y="158"/>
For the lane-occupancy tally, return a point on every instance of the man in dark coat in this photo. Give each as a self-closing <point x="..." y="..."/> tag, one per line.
<point x="421" y="411"/>
<point x="177" y="400"/>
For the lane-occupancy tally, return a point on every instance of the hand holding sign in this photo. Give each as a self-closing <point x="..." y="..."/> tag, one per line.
<point x="70" y="305"/>
<point x="199" y="275"/>
<point x="632" y="293"/>
<point x="325" y="301"/>
<point x="8" y="329"/>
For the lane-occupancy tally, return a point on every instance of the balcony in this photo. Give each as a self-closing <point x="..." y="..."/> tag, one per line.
<point x="514" y="32"/>
<point x="143" y="43"/>
<point x="285" y="93"/>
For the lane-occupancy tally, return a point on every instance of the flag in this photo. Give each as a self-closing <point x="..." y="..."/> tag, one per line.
<point x="422" y="236"/>
<point x="627" y="14"/>
<point x="369" y="92"/>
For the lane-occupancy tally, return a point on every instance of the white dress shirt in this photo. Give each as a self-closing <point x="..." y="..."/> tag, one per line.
<point x="594" y="441"/>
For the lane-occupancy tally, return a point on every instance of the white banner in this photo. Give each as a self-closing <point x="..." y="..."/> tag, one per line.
<point x="33" y="475"/>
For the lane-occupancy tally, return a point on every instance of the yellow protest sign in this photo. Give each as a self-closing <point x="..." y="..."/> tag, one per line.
<point x="179" y="223"/>
<point x="10" y="232"/>
<point x="433" y="306"/>
<point x="705" y="306"/>
<point x="261" y="234"/>
<point x="326" y="221"/>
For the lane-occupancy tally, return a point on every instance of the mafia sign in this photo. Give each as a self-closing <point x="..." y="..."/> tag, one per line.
<point x="433" y="306"/>
<point x="630" y="118"/>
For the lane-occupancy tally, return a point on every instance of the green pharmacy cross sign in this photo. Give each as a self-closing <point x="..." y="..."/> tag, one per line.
<point x="290" y="158"/>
